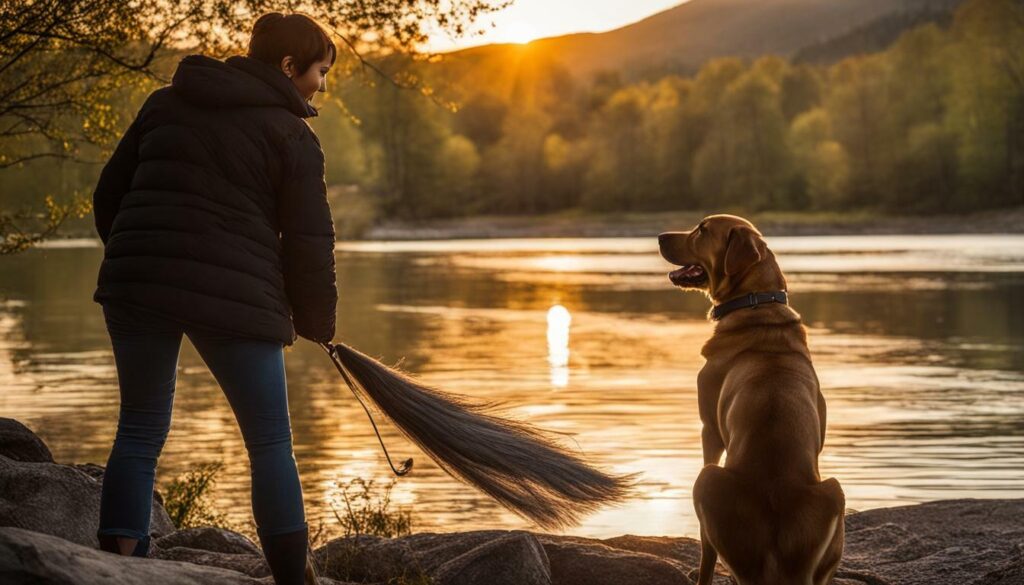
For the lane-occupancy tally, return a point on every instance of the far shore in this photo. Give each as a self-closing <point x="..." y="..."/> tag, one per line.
<point x="589" y="225"/>
<point x="578" y="224"/>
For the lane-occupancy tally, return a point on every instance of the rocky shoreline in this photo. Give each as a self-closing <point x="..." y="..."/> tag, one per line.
<point x="49" y="510"/>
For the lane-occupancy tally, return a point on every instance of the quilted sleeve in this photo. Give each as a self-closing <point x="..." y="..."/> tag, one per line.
<point x="307" y="242"/>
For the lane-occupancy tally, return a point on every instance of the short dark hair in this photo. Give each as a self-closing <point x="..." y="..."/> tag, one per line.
<point x="276" y="36"/>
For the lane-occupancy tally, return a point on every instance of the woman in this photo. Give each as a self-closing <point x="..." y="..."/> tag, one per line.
<point x="215" y="221"/>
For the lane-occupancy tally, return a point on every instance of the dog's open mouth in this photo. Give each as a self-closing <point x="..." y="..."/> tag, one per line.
<point x="689" y="275"/>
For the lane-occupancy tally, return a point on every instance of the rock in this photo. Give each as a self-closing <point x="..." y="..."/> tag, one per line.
<point x="210" y="538"/>
<point x="91" y="469"/>
<point x="32" y="557"/>
<point x="513" y="559"/>
<point x="580" y="561"/>
<point x="19" y="443"/>
<point x="61" y="500"/>
<point x="1011" y="573"/>
<point x="952" y="541"/>
<point x="684" y="550"/>
<point x="213" y="547"/>
<point x="364" y="559"/>
<point x="888" y="542"/>
<point x="248" y="564"/>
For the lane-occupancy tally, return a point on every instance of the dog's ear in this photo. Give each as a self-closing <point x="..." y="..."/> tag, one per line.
<point x="744" y="248"/>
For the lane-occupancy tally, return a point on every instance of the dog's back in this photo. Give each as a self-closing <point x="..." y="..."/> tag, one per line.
<point x="768" y="411"/>
<point x="767" y="512"/>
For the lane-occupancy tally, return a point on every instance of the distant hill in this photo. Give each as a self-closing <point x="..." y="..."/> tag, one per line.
<point x="683" y="37"/>
<point x="873" y="36"/>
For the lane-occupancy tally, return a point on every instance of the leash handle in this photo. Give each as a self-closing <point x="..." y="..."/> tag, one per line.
<point x="332" y="351"/>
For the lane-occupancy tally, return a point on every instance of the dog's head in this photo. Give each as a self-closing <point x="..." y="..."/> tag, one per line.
<point x="724" y="256"/>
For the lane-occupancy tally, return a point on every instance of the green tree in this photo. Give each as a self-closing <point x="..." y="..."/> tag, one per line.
<point x="745" y="160"/>
<point x="514" y="167"/>
<point x="857" y="107"/>
<point x="821" y="164"/>
<point x="801" y="88"/>
<point x="564" y="164"/>
<point x="458" y="167"/>
<point x="621" y="169"/>
<point x="405" y="131"/>
<point x="63" y="63"/>
<point x="686" y="130"/>
<point x="348" y="162"/>
<point x="926" y="171"/>
<point x="986" y="104"/>
<point x="480" y="118"/>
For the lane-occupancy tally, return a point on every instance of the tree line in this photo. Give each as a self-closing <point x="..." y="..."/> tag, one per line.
<point x="935" y="123"/>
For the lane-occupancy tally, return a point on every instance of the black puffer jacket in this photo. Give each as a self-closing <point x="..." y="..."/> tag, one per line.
<point x="213" y="208"/>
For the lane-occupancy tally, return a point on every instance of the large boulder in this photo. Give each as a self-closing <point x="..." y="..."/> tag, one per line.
<point x="61" y="500"/>
<point x="364" y="559"/>
<point x="213" y="547"/>
<point x="951" y="541"/>
<point x="1010" y="573"/>
<point x="28" y="557"/>
<point x="248" y="564"/>
<point x="512" y="557"/>
<point x="210" y="538"/>
<point x="18" y="442"/>
<point x="584" y="561"/>
<point x="684" y="550"/>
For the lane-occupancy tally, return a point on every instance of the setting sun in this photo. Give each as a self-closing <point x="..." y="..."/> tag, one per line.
<point x="517" y="32"/>
<point x="528" y="20"/>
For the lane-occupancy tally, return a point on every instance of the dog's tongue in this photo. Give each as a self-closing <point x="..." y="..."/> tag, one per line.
<point x="690" y="271"/>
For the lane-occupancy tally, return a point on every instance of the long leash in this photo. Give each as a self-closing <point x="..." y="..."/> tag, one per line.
<point x="332" y="351"/>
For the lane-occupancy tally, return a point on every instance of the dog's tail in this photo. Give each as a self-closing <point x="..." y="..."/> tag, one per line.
<point x="514" y="463"/>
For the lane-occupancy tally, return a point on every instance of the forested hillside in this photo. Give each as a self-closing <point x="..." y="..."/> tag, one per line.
<point x="935" y="123"/>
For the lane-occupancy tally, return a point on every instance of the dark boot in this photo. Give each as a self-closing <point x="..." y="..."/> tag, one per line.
<point x="108" y="542"/>
<point x="286" y="555"/>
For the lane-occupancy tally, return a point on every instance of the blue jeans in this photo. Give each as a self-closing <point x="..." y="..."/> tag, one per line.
<point x="251" y="373"/>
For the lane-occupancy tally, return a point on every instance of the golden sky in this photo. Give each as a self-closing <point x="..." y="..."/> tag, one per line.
<point x="527" y="20"/>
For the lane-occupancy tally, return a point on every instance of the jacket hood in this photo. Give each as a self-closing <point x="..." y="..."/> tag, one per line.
<point x="237" y="81"/>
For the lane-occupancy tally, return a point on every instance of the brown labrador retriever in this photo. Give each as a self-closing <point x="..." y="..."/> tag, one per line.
<point x="766" y="512"/>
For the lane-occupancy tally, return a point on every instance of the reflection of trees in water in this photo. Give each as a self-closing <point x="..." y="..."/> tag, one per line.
<point x="50" y="363"/>
<point x="987" y="314"/>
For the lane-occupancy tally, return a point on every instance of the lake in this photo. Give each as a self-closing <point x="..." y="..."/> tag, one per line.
<point x="918" y="342"/>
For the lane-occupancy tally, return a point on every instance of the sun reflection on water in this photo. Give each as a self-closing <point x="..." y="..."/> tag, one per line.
<point x="559" y="320"/>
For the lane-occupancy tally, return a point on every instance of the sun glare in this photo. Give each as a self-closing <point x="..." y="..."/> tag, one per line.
<point x="518" y="32"/>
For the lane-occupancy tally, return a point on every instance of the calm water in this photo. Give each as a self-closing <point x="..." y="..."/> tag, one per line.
<point x="918" y="341"/>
